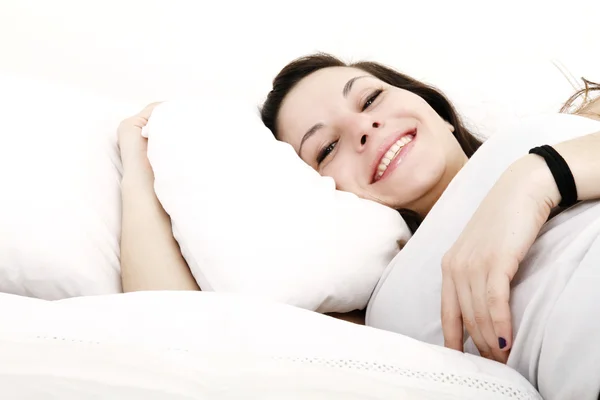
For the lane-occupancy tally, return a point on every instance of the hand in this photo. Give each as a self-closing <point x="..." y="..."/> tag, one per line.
<point x="132" y="145"/>
<point x="479" y="267"/>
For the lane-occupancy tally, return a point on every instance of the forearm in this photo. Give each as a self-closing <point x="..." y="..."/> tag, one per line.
<point x="583" y="157"/>
<point x="150" y="256"/>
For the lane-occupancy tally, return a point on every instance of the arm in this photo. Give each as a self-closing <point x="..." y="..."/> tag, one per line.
<point x="583" y="157"/>
<point x="592" y="108"/>
<point x="478" y="269"/>
<point x="150" y="255"/>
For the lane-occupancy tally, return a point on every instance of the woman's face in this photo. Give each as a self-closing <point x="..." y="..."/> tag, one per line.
<point x="375" y="140"/>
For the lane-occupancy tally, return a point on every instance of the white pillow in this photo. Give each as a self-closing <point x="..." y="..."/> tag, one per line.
<point x="176" y="345"/>
<point x="251" y="217"/>
<point x="60" y="183"/>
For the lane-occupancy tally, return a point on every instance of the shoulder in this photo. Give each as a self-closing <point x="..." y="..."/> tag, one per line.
<point x="590" y="106"/>
<point x="591" y="109"/>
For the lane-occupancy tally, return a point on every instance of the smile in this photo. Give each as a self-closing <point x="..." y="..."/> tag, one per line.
<point x="391" y="154"/>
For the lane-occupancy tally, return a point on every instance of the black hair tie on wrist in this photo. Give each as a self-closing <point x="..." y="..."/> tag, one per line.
<point x="561" y="172"/>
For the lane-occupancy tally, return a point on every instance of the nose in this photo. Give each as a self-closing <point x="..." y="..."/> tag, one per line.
<point x="360" y="129"/>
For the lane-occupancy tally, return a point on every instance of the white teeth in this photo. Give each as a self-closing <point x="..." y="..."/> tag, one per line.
<point x="405" y="139"/>
<point x="392" y="153"/>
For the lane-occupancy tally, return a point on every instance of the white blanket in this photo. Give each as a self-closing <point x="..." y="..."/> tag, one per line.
<point x="555" y="299"/>
<point x="206" y="345"/>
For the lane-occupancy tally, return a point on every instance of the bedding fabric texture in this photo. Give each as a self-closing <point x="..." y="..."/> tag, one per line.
<point x="251" y="217"/>
<point x="245" y="208"/>
<point x="555" y="299"/>
<point x="195" y="345"/>
<point x="60" y="208"/>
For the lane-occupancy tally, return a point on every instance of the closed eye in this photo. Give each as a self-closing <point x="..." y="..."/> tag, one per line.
<point x="325" y="152"/>
<point x="371" y="99"/>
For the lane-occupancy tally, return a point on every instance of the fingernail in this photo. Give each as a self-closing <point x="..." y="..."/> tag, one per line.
<point x="501" y="342"/>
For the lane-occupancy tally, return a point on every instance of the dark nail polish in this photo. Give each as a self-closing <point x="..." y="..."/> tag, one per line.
<point x="501" y="343"/>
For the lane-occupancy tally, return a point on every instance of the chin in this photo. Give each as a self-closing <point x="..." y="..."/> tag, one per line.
<point x="410" y="198"/>
<point x="398" y="193"/>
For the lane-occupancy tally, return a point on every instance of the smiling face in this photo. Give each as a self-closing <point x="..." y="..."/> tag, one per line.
<point x="375" y="140"/>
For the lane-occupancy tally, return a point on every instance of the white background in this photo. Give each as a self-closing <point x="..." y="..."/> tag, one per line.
<point x="493" y="58"/>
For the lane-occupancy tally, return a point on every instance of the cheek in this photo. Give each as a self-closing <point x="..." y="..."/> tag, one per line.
<point x="343" y="174"/>
<point x="408" y="104"/>
<point x="430" y="159"/>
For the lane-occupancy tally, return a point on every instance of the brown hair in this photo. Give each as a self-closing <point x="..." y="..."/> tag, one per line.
<point x="300" y="68"/>
<point x="570" y="108"/>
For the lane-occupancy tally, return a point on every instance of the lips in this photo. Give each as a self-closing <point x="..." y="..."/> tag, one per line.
<point x="388" y="152"/>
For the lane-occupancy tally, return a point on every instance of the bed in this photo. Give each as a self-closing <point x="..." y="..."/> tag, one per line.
<point x="184" y="345"/>
<point x="71" y="70"/>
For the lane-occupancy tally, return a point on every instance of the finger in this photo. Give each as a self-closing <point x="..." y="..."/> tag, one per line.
<point x="147" y="111"/>
<point x="498" y="297"/>
<point x="465" y="295"/>
<point x="481" y="314"/>
<point x="451" y="315"/>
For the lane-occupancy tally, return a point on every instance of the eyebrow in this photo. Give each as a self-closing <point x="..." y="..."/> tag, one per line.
<point x="308" y="134"/>
<point x="348" y="85"/>
<point x="316" y="127"/>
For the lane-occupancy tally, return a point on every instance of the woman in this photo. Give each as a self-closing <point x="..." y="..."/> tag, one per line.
<point x="388" y="138"/>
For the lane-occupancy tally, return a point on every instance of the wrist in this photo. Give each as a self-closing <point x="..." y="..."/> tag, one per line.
<point x="538" y="180"/>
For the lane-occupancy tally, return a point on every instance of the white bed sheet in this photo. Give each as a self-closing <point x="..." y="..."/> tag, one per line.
<point x="208" y="345"/>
